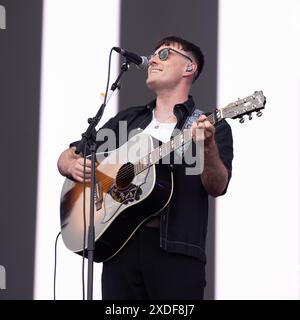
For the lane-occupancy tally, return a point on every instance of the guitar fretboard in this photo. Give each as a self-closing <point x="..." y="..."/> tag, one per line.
<point x="166" y="148"/>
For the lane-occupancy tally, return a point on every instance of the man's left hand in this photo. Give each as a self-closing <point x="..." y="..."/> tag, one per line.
<point x="207" y="132"/>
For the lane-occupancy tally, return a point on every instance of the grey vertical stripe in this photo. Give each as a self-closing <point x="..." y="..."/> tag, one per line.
<point x="145" y="22"/>
<point x="20" y="59"/>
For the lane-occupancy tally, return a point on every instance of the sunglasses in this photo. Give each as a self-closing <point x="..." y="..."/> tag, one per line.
<point x="164" y="53"/>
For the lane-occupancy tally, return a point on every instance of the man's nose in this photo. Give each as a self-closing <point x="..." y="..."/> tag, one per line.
<point x="152" y="61"/>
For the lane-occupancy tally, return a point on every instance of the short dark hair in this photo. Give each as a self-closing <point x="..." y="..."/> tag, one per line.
<point x="186" y="46"/>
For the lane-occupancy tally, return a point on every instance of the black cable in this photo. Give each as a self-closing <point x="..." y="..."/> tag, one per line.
<point x="84" y="224"/>
<point x="55" y="261"/>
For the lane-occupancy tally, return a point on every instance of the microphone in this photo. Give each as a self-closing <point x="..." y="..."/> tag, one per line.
<point x="140" y="61"/>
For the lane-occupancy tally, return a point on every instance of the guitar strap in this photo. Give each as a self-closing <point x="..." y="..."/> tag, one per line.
<point x="193" y="118"/>
<point x="188" y="123"/>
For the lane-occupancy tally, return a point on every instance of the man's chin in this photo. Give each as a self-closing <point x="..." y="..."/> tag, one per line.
<point x="151" y="84"/>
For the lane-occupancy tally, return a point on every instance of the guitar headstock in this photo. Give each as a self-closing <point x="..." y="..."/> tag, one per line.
<point x="237" y="109"/>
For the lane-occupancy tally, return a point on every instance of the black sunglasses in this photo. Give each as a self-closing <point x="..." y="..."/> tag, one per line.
<point x="164" y="53"/>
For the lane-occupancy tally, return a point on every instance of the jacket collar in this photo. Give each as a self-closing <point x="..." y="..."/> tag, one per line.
<point x="185" y="107"/>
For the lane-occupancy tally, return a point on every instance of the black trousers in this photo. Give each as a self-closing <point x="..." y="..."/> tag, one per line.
<point x="142" y="271"/>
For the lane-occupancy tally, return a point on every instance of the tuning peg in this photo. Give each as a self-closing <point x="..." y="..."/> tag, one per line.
<point x="242" y="120"/>
<point x="259" y="113"/>
<point x="250" y="116"/>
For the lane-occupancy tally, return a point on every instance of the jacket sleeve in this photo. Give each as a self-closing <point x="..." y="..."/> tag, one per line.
<point x="224" y="140"/>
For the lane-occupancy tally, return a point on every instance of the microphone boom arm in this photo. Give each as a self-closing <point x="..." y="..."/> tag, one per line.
<point x="87" y="136"/>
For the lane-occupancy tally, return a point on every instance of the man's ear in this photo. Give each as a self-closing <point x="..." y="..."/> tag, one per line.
<point x="189" y="68"/>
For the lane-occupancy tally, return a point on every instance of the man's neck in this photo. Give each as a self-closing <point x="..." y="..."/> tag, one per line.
<point x="166" y="101"/>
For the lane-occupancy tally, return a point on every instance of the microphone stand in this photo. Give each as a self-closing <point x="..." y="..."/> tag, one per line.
<point x="89" y="136"/>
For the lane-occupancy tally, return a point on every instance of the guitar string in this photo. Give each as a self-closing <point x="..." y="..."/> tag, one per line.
<point x="106" y="182"/>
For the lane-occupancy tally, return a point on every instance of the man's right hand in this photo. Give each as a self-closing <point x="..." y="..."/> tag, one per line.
<point x="76" y="169"/>
<point x="72" y="165"/>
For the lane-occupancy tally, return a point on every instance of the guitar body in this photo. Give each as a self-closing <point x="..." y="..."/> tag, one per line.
<point x="122" y="200"/>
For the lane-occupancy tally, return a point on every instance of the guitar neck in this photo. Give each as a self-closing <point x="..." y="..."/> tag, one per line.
<point x="166" y="148"/>
<point x="233" y="110"/>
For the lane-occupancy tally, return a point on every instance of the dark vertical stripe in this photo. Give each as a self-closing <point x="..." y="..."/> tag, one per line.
<point x="20" y="61"/>
<point x="145" y="22"/>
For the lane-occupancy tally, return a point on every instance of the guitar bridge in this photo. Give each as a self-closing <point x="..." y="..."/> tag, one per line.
<point x="98" y="195"/>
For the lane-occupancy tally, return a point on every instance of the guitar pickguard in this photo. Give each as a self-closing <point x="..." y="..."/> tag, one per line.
<point x="132" y="193"/>
<point x="118" y="197"/>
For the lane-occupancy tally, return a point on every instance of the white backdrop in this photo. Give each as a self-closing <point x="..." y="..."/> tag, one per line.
<point x="77" y="38"/>
<point x="258" y="251"/>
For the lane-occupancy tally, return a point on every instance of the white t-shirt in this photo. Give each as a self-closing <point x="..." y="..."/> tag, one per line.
<point x="160" y="130"/>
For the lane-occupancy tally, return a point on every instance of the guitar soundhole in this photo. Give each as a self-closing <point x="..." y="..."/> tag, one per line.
<point x="125" y="176"/>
